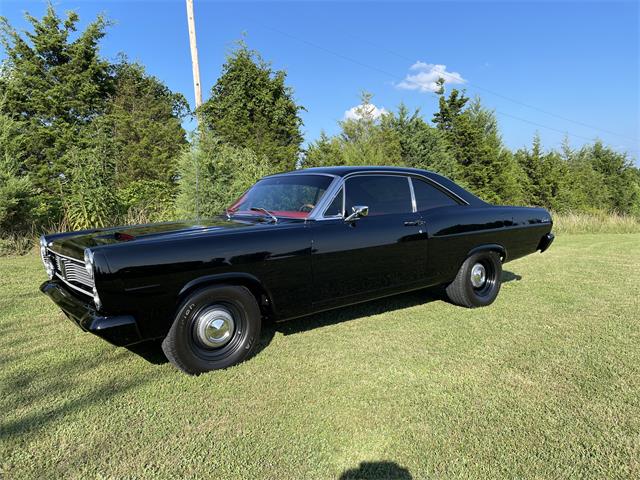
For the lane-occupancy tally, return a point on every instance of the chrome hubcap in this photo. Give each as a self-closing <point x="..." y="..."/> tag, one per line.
<point x="214" y="327"/>
<point x="478" y="275"/>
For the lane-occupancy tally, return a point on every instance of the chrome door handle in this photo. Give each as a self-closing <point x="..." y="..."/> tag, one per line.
<point x="414" y="223"/>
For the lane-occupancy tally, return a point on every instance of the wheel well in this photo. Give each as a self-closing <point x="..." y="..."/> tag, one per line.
<point x="492" y="247"/>
<point x="254" y="286"/>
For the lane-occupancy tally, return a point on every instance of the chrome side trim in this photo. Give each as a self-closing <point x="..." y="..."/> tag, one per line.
<point x="327" y="198"/>
<point x="411" y="174"/>
<point x="449" y="192"/>
<point x="413" y="195"/>
<point x="333" y="217"/>
<point x="318" y="212"/>
<point x="343" y="185"/>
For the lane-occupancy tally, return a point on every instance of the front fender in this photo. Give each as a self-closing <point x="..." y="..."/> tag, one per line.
<point x="254" y="284"/>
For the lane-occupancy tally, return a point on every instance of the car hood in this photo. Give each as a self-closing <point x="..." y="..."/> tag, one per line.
<point x="73" y="244"/>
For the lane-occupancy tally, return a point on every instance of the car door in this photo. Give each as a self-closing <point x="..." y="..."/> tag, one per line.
<point x="435" y="206"/>
<point x="380" y="253"/>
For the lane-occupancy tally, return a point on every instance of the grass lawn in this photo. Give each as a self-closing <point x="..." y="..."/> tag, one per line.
<point x="544" y="383"/>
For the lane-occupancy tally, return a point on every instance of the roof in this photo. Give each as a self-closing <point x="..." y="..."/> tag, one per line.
<point x="347" y="170"/>
<point x="343" y="171"/>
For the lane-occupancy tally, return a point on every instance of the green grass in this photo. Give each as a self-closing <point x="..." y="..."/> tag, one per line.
<point x="596" y="222"/>
<point x="542" y="384"/>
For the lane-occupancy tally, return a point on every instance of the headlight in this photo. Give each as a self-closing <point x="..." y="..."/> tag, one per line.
<point x="88" y="261"/>
<point x="46" y="260"/>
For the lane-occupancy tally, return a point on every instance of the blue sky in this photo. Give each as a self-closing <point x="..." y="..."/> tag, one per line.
<point x="556" y="68"/>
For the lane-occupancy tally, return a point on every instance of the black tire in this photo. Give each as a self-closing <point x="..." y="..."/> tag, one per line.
<point x="463" y="292"/>
<point x="184" y="345"/>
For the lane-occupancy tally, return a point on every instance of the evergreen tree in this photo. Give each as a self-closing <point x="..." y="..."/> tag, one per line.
<point x="547" y="176"/>
<point x="144" y="118"/>
<point x="421" y="145"/>
<point x="52" y="85"/>
<point x="324" y="152"/>
<point x="584" y="188"/>
<point x="618" y="172"/>
<point x="484" y="165"/>
<point x="251" y="107"/>
<point x="449" y="109"/>
<point x="364" y="142"/>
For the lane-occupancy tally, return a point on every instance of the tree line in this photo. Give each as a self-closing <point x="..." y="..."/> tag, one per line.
<point x="88" y="142"/>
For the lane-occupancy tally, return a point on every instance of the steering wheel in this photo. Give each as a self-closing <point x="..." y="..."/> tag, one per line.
<point x="307" y="207"/>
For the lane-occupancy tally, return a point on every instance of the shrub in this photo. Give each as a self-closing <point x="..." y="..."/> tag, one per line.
<point x="16" y="198"/>
<point x="223" y="173"/>
<point x="144" y="201"/>
<point x="92" y="202"/>
<point x="16" y="244"/>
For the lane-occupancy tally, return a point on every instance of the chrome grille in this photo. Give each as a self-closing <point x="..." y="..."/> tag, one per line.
<point x="73" y="272"/>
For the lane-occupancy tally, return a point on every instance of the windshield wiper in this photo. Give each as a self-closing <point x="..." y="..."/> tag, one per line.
<point x="266" y="212"/>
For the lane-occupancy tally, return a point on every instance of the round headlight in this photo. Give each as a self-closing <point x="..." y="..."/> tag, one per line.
<point x="88" y="261"/>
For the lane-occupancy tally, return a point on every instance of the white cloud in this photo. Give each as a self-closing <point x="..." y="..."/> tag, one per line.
<point x="357" y="112"/>
<point x="423" y="77"/>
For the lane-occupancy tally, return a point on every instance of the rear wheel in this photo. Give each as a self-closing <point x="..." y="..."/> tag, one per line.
<point x="214" y="328"/>
<point x="478" y="281"/>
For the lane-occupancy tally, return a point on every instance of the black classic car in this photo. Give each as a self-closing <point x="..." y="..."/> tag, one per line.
<point x="293" y="244"/>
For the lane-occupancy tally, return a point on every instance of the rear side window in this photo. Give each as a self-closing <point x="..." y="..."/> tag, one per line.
<point x="428" y="196"/>
<point x="382" y="194"/>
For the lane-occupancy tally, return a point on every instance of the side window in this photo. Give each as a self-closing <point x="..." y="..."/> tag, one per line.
<point x="382" y="194"/>
<point x="335" y="209"/>
<point x="428" y="196"/>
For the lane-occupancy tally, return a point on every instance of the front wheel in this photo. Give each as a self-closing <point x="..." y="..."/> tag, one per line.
<point x="478" y="281"/>
<point x="214" y="328"/>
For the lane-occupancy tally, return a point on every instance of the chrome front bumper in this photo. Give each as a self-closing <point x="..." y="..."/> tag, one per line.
<point x="120" y="330"/>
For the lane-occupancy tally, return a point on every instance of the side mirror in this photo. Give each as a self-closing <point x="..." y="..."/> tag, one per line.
<point x="358" y="212"/>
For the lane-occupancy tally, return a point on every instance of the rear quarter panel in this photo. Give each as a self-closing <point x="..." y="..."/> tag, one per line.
<point x="455" y="231"/>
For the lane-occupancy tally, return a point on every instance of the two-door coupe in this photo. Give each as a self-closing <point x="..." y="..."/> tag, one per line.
<point x="294" y="244"/>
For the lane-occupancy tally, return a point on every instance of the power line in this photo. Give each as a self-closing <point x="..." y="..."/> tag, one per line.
<point x="394" y="76"/>
<point x="336" y="54"/>
<point x="492" y="92"/>
<point x="541" y="125"/>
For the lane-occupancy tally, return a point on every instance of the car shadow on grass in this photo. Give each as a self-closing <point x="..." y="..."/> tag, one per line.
<point x="366" y="309"/>
<point x="353" y="312"/>
<point x="152" y="351"/>
<point x="377" y="470"/>
<point x="508" y="276"/>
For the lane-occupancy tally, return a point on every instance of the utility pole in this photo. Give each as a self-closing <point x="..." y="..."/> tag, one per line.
<point x="194" y="53"/>
<point x="196" y="88"/>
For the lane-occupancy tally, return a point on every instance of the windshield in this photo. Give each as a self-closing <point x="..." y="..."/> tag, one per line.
<point x="292" y="196"/>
